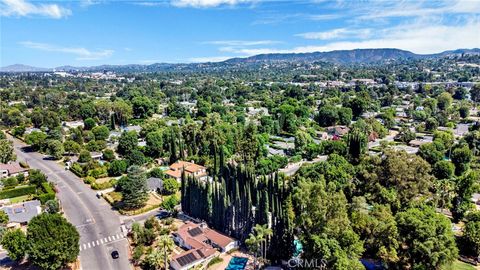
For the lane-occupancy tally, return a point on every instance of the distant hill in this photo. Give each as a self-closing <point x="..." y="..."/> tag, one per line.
<point x="357" y="56"/>
<point x="22" y="68"/>
<point x="346" y="56"/>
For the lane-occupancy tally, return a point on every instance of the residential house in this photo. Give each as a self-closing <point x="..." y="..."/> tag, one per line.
<point x="155" y="184"/>
<point x="73" y="124"/>
<point x="132" y="128"/>
<point x="12" y="169"/>
<point x="201" y="243"/>
<point x="96" y="155"/>
<point x="191" y="169"/>
<point x="338" y="131"/>
<point x="22" y="213"/>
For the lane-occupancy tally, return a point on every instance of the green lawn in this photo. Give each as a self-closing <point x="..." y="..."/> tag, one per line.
<point x="458" y="265"/>
<point x="20" y="199"/>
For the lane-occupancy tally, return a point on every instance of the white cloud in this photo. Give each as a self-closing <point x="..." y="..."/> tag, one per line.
<point x="22" y="8"/>
<point x="419" y="37"/>
<point x="208" y="3"/>
<point x="81" y="53"/>
<point x="241" y="42"/>
<point x="387" y="9"/>
<point x="210" y="59"/>
<point x="337" y="34"/>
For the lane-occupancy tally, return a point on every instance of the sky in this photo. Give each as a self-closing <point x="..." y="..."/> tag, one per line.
<point x="95" y="32"/>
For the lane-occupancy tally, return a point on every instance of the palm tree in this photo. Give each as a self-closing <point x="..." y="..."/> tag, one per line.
<point x="167" y="245"/>
<point x="257" y="241"/>
<point x="154" y="260"/>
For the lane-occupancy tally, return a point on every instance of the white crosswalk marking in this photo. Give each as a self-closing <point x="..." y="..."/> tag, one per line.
<point x="102" y="241"/>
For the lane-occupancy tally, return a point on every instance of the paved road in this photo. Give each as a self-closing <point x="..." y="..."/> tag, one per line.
<point x="98" y="225"/>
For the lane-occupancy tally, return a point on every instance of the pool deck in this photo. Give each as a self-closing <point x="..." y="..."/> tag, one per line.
<point x="227" y="257"/>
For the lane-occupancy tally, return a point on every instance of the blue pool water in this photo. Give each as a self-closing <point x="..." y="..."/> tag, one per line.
<point x="237" y="263"/>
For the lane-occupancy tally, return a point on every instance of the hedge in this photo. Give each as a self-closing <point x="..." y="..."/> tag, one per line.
<point x="16" y="192"/>
<point x="77" y="169"/>
<point x="45" y="197"/>
<point x="47" y="187"/>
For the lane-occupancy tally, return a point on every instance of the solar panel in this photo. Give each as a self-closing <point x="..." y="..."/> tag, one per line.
<point x="201" y="253"/>
<point x="186" y="259"/>
<point x="195" y="231"/>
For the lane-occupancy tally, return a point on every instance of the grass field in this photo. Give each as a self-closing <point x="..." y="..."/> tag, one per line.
<point x="458" y="265"/>
<point x="20" y="198"/>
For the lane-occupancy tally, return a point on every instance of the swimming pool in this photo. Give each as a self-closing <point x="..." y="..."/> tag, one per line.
<point x="237" y="263"/>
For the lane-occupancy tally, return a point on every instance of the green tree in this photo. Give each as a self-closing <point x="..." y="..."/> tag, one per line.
<point x="461" y="158"/>
<point x="464" y="111"/>
<point x="127" y="143"/>
<point x="378" y="229"/>
<point x="142" y="107"/>
<point x="475" y="93"/>
<point x="101" y="133"/>
<point x="136" y="157"/>
<point x="6" y="151"/>
<point x="443" y="169"/>
<point x="471" y="232"/>
<point x="52" y="241"/>
<point x="154" y="260"/>
<point x="431" y="152"/>
<point x="167" y="245"/>
<point x="170" y="186"/>
<point x="84" y="156"/>
<point x="134" y="189"/>
<point x="71" y="147"/>
<point x="55" y="149"/>
<point x="117" y="167"/>
<point x="89" y="123"/>
<point x="52" y="206"/>
<point x="108" y="154"/>
<point x="431" y="124"/>
<point x="426" y="239"/>
<point x="36" y="140"/>
<point x="328" y="116"/>
<point x="326" y="230"/>
<point x="36" y="177"/>
<point x="15" y="242"/>
<point x="3" y="218"/>
<point x="154" y="142"/>
<point x="444" y="101"/>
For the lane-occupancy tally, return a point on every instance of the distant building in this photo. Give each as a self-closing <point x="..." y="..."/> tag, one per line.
<point x="73" y="124"/>
<point x="339" y="131"/>
<point x="191" y="169"/>
<point x="12" y="169"/>
<point x="22" y="213"/>
<point x="201" y="243"/>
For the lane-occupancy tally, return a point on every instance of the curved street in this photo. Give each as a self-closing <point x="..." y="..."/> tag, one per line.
<point x="97" y="223"/>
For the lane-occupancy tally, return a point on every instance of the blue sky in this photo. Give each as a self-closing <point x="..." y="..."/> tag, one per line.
<point x="94" y="32"/>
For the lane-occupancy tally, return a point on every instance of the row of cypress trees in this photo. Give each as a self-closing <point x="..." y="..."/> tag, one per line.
<point x="236" y="199"/>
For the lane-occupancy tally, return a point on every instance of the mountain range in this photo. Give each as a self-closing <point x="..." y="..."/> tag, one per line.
<point x="357" y="56"/>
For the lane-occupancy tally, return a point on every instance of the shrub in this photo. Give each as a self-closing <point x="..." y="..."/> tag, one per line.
<point x="215" y="260"/>
<point x="84" y="156"/>
<point x="16" y="192"/>
<point x="77" y="169"/>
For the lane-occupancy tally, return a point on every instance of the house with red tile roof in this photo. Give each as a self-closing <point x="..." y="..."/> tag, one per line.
<point x="201" y="243"/>
<point x="191" y="169"/>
